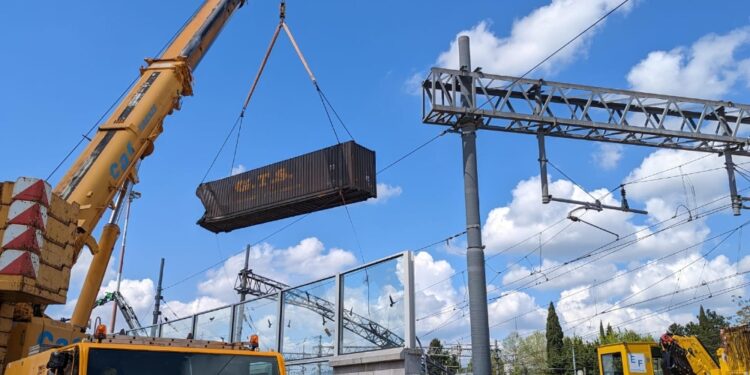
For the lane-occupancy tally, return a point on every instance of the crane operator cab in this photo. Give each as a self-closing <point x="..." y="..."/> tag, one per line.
<point x="641" y="358"/>
<point x="128" y="355"/>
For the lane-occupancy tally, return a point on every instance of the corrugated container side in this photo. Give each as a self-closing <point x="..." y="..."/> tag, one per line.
<point x="326" y="178"/>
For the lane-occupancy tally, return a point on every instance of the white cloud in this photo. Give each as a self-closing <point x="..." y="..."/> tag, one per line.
<point x="526" y="215"/>
<point x="639" y="298"/>
<point x="663" y="193"/>
<point x="238" y="169"/>
<point x="413" y="85"/>
<point x="385" y="193"/>
<point x="533" y="37"/>
<point x="517" y="311"/>
<point x="174" y="309"/>
<point x="308" y="260"/>
<point x="437" y="300"/>
<point x="707" y="69"/>
<point x="517" y="275"/>
<point x="607" y="155"/>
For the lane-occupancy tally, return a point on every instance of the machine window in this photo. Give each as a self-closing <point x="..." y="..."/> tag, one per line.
<point x="142" y="362"/>
<point x="612" y="364"/>
<point x="656" y="361"/>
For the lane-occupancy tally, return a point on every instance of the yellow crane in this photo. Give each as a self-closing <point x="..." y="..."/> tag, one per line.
<point x="43" y="232"/>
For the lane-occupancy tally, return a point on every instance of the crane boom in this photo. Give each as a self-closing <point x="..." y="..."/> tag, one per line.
<point x="128" y="135"/>
<point x="44" y="230"/>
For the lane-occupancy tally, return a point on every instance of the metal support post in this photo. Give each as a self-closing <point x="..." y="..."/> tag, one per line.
<point x="243" y="294"/>
<point x="132" y="195"/>
<point x="157" y="300"/>
<point x="338" y="314"/>
<point x="280" y="323"/>
<point x="736" y="198"/>
<point x="480" y="333"/>
<point x="573" y="348"/>
<point x="409" y="297"/>
<point x="543" y="167"/>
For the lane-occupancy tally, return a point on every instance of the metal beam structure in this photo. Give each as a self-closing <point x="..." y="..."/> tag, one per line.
<point x="127" y="311"/>
<point x="546" y="108"/>
<point x="567" y="110"/>
<point x="373" y="332"/>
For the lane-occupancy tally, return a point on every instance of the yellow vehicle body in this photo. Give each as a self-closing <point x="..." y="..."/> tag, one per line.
<point x="637" y="358"/>
<point x="645" y="358"/>
<point x="131" y="351"/>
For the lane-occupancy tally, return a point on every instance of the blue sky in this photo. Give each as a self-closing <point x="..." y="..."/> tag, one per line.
<point x="66" y="63"/>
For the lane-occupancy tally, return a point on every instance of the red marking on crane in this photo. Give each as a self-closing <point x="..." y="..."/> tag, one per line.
<point x="17" y="262"/>
<point x="28" y="213"/>
<point x="32" y="189"/>
<point x="22" y="237"/>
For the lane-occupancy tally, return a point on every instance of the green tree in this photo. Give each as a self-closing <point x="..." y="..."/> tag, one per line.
<point x="707" y="329"/>
<point x="533" y="349"/>
<point x="677" y="329"/>
<point x="554" y="334"/>
<point x="525" y="355"/>
<point x="498" y="365"/>
<point x="514" y="358"/>
<point x="612" y="336"/>
<point x="442" y="356"/>
<point x="601" y="331"/>
<point x="585" y="353"/>
<point x="743" y="314"/>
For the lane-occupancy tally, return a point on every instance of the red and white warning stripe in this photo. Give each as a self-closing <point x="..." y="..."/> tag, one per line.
<point x="22" y="237"/>
<point x="18" y="262"/>
<point x="28" y="213"/>
<point x="32" y="189"/>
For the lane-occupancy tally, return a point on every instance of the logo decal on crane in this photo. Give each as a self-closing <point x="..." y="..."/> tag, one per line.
<point x="116" y="169"/>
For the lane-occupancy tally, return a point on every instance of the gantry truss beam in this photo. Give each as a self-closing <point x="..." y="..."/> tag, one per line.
<point x="567" y="110"/>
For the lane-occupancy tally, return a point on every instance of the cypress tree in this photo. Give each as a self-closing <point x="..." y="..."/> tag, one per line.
<point x="555" y="355"/>
<point x="601" y="331"/>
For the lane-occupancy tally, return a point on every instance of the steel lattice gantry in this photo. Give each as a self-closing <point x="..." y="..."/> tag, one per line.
<point x="586" y="112"/>
<point x="546" y="108"/>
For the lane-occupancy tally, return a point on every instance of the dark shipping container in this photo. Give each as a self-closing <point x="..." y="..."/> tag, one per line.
<point x="326" y="178"/>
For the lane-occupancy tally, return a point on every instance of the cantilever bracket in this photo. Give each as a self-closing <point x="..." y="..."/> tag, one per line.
<point x="573" y="218"/>
<point x="596" y="205"/>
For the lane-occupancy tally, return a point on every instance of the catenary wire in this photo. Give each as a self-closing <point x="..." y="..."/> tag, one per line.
<point x="511" y="319"/>
<point x="410" y="153"/>
<point x="707" y="213"/>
